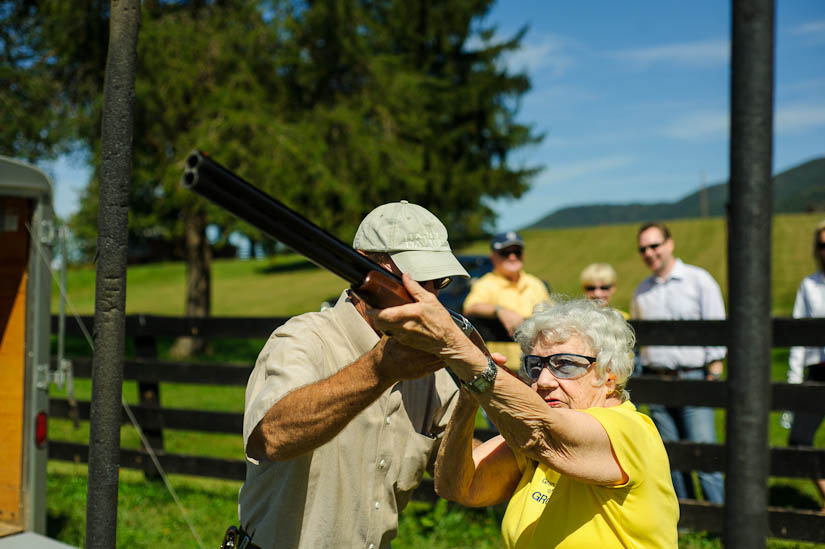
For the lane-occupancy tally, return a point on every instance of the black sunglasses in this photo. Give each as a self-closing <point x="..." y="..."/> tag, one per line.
<point x="507" y="251"/>
<point x="561" y="365"/>
<point x="643" y="249"/>
<point x="603" y="288"/>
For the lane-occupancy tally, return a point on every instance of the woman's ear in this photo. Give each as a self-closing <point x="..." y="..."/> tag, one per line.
<point x="611" y="382"/>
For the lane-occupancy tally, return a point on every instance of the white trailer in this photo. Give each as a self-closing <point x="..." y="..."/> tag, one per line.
<point x="26" y="237"/>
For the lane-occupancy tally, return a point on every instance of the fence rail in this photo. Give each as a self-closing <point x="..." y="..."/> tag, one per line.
<point x="793" y="462"/>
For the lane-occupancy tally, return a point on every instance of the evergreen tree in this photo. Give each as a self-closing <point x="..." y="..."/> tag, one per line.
<point x="334" y="107"/>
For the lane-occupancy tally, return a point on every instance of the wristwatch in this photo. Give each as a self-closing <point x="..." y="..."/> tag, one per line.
<point x="485" y="379"/>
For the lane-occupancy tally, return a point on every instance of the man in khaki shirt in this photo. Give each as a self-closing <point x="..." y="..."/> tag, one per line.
<point x="340" y="421"/>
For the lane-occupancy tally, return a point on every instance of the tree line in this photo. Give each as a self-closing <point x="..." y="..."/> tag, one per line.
<point x="332" y="106"/>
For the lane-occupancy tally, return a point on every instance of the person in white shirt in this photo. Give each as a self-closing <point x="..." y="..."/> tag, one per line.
<point x="678" y="291"/>
<point x="810" y="302"/>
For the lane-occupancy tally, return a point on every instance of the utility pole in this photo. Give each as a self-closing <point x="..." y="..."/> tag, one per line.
<point x="703" y="197"/>
<point x="749" y="278"/>
<point x="110" y="280"/>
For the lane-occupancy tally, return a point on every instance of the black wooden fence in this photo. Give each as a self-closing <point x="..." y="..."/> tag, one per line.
<point x="149" y="372"/>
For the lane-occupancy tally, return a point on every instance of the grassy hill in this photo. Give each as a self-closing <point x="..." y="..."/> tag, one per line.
<point x="290" y="285"/>
<point x="797" y="190"/>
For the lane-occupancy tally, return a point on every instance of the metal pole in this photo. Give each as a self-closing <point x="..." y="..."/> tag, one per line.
<point x="749" y="257"/>
<point x="61" y="326"/>
<point x="110" y="282"/>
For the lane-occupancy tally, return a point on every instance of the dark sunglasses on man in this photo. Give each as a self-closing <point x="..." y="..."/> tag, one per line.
<point x="561" y="365"/>
<point x="643" y="249"/>
<point x="441" y="283"/>
<point x="507" y="251"/>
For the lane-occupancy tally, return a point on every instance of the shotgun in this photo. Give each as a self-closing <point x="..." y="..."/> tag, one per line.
<point x="377" y="286"/>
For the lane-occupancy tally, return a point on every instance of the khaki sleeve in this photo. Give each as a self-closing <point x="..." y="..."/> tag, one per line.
<point x="291" y="358"/>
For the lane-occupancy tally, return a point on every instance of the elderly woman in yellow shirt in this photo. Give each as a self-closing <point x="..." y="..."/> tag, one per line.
<point x="578" y="464"/>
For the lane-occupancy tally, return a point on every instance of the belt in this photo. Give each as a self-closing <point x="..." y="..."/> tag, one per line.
<point x="666" y="372"/>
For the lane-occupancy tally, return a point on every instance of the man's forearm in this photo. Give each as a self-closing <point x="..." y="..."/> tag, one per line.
<point x="312" y="415"/>
<point x="509" y="319"/>
<point x="487" y="310"/>
<point x="454" y="467"/>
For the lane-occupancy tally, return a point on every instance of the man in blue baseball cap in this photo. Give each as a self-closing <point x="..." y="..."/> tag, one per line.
<point x="508" y="293"/>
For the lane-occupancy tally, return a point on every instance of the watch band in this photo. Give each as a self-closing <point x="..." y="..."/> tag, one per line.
<point x="485" y="379"/>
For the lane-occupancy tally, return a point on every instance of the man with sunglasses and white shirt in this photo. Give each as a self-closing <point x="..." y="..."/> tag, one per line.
<point x="507" y="293"/>
<point x="341" y="420"/>
<point x="678" y="291"/>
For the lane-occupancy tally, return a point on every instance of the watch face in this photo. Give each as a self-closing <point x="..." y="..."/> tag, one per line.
<point x="479" y="384"/>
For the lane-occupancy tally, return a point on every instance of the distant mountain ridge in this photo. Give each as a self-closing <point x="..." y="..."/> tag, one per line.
<point x="796" y="190"/>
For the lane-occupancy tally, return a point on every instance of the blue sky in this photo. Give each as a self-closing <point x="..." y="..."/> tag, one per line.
<point x="632" y="99"/>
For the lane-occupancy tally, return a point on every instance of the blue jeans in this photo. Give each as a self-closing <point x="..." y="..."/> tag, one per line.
<point x="695" y="424"/>
<point x="805" y="424"/>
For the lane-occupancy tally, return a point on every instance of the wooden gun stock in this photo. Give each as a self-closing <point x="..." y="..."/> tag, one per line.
<point x="381" y="291"/>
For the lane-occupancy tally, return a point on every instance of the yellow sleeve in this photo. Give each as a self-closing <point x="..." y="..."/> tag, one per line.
<point x="630" y="437"/>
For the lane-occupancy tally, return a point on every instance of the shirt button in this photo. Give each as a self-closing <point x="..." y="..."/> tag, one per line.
<point x="387" y="420"/>
<point x="377" y="505"/>
<point x="372" y="546"/>
<point x="382" y="463"/>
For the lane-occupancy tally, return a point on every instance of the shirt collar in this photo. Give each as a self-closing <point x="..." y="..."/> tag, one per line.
<point x="353" y="324"/>
<point x="506" y="281"/>
<point x="676" y="273"/>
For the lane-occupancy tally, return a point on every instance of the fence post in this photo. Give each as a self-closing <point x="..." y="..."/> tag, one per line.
<point x="749" y="282"/>
<point x="146" y="349"/>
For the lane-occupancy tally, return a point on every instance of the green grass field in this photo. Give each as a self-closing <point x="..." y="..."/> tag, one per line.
<point x="148" y="517"/>
<point x="290" y="285"/>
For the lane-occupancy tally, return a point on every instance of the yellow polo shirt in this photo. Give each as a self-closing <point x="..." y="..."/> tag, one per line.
<point x="552" y="510"/>
<point x="520" y="296"/>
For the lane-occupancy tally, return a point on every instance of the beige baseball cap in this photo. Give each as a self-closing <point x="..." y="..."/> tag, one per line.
<point x="415" y="239"/>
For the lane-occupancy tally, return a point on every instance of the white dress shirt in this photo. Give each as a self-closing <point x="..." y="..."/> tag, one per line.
<point x="809" y="303"/>
<point x="687" y="293"/>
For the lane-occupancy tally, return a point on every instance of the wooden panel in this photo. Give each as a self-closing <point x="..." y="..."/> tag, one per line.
<point x="786" y="331"/>
<point x="173" y="372"/>
<point x="232" y="469"/>
<point x="14" y="244"/>
<point x="804" y="397"/>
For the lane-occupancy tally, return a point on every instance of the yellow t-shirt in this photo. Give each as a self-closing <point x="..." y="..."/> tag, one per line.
<point x="520" y="296"/>
<point x="551" y="510"/>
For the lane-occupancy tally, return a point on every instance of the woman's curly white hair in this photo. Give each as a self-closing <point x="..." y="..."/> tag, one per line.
<point x="604" y="330"/>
